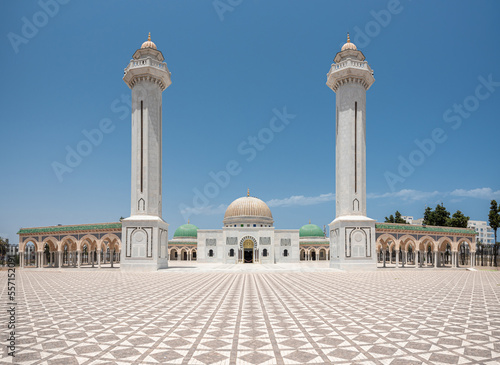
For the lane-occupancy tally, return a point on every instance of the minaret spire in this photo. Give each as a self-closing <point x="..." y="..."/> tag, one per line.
<point x="352" y="233"/>
<point x="145" y="233"/>
<point x="149" y="37"/>
<point x="248" y="192"/>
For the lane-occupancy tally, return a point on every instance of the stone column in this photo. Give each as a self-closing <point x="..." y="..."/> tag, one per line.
<point x="435" y="259"/>
<point x="79" y="258"/>
<point x="404" y="259"/>
<point x="397" y="259"/>
<point x="92" y="253"/>
<point x="60" y="261"/>
<point x="99" y="259"/>
<point x="111" y="256"/>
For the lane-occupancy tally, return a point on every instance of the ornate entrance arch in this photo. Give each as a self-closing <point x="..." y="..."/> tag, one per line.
<point x="248" y="252"/>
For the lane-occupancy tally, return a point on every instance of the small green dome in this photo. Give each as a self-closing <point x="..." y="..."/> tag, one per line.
<point x="186" y="230"/>
<point x="311" y="230"/>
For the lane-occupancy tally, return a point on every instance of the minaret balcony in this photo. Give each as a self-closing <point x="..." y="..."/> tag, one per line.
<point x="147" y="68"/>
<point x="350" y="70"/>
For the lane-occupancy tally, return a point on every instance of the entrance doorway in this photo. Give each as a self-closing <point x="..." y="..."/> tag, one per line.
<point x="248" y="251"/>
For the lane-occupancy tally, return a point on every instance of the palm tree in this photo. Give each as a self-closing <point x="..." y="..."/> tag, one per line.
<point x="494" y="220"/>
<point x="4" y="246"/>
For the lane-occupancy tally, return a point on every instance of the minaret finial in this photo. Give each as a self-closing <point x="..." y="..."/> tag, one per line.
<point x="188" y="221"/>
<point x="149" y="36"/>
<point x="309" y="221"/>
<point x="248" y="192"/>
<point x="348" y="39"/>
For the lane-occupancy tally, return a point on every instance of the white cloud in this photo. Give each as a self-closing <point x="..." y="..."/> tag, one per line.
<point x="301" y="200"/>
<point x="480" y="193"/>
<point x="208" y="210"/>
<point x="406" y="195"/>
<point x="409" y="195"/>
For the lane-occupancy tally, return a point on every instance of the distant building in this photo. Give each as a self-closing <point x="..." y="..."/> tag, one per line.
<point x="408" y="218"/>
<point x="485" y="233"/>
<point x="12" y="249"/>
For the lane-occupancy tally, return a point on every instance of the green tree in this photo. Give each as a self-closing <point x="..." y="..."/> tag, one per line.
<point x="441" y="215"/>
<point x="46" y="251"/>
<point x="428" y="216"/>
<point x="4" y="246"/>
<point x="397" y="218"/>
<point x="458" y="220"/>
<point x="494" y="220"/>
<point x="437" y="217"/>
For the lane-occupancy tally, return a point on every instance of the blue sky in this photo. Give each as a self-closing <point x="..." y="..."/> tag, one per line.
<point x="233" y="66"/>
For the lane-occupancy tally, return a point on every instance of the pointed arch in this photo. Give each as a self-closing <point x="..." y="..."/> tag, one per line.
<point x="28" y="240"/>
<point x="71" y="241"/>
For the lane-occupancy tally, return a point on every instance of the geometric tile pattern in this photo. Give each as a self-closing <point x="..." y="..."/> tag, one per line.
<point x="406" y="316"/>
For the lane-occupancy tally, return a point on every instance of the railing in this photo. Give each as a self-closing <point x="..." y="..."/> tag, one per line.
<point x="351" y="63"/>
<point x="146" y="62"/>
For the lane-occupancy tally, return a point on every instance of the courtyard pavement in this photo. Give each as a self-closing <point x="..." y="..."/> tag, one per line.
<point x="302" y="314"/>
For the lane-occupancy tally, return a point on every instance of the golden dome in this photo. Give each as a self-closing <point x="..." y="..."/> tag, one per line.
<point x="349" y="45"/>
<point x="148" y="43"/>
<point x="248" y="206"/>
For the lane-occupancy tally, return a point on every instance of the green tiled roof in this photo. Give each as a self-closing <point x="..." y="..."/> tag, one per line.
<point x="62" y="229"/>
<point x="186" y="230"/>
<point x="311" y="230"/>
<point x="424" y="229"/>
<point x="182" y="243"/>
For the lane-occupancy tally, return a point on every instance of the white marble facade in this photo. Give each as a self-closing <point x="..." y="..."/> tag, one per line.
<point x="145" y="233"/>
<point x="352" y="233"/>
<point x="227" y="245"/>
<point x="248" y="236"/>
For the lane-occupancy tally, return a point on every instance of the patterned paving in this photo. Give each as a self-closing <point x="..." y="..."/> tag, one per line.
<point x="324" y="317"/>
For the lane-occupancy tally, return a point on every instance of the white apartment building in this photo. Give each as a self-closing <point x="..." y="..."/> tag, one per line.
<point x="485" y="232"/>
<point x="408" y="218"/>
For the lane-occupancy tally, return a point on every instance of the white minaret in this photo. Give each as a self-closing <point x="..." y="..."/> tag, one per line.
<point x="145" y="233"/>
<point x="352" y="233"/>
